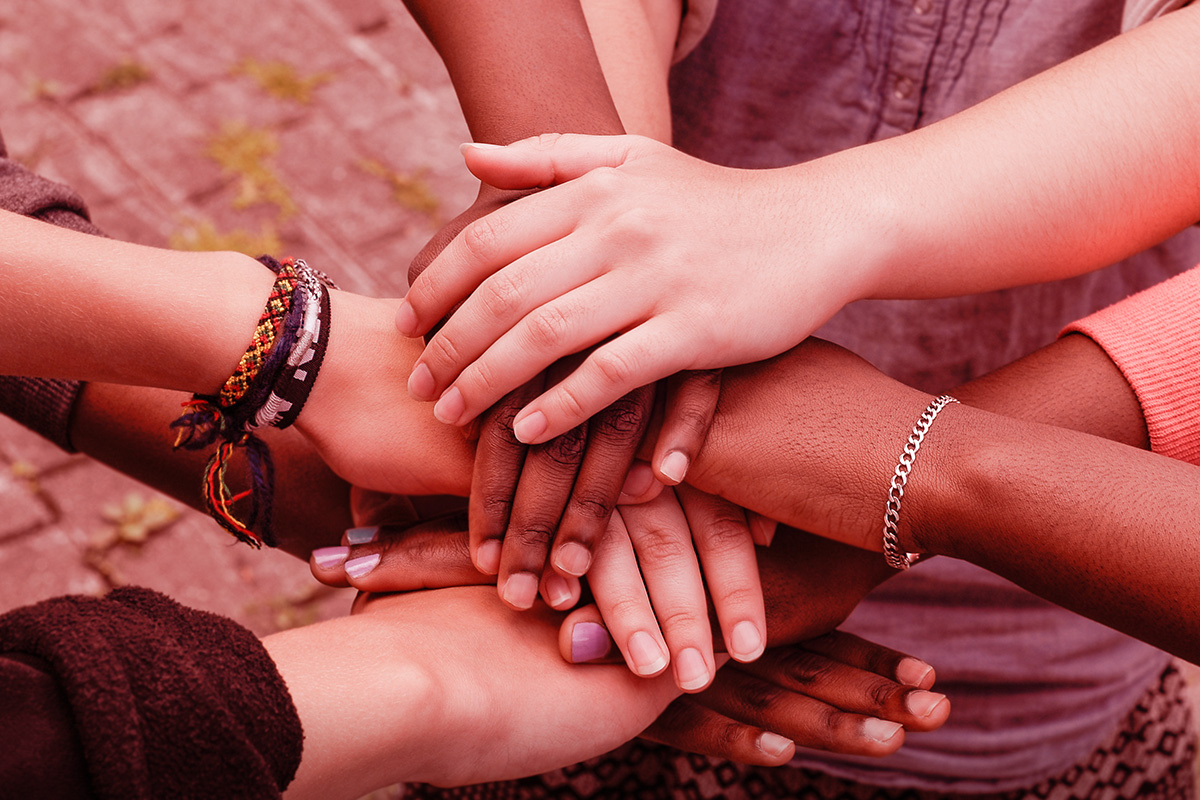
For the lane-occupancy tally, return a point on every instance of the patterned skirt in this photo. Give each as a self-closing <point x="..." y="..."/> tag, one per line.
<point x="1151" y="756"/>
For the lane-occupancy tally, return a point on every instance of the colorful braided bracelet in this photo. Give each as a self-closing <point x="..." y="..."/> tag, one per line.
<point x="269" y="387"/>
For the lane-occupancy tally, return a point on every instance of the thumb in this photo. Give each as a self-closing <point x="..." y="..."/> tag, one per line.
<point x="548" y="159"/>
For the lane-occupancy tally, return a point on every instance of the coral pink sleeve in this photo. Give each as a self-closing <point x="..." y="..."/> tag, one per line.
<point x="1154" y="338"/>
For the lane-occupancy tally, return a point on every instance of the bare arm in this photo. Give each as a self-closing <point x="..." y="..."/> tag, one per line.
<point x="1091" y="523"/>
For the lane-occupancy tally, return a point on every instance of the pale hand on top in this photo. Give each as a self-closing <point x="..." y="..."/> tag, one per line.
<point x="685" y="265"/>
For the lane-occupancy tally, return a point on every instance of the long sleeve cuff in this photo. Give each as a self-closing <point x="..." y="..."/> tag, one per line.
<point x="165" y="701"/>
<point x="1154" y="338"/>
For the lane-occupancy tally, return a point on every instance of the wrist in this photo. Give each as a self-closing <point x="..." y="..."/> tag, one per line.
<point x="368" y="710"/>
<point x="858" y="236"/>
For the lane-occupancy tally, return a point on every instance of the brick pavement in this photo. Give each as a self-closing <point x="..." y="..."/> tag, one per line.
<point x="309" y="127"/>
<point x="322" y="128"/>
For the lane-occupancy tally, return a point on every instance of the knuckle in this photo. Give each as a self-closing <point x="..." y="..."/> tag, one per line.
<point x="613" y="366"/>
<point x="659" y="548"/>
<point x="442" y="350"/>
<point x="482" y="375"/>
<point x="530" y="535"/>
<point x="480" y="238"/>
<point x="831" y="722"/>
<point x="500" y="295"/>
<point x="592" y="505"/>
<point x="681" y="619"/>
<point x="882" y="692"/>
<point x="624" y="419"/>
<point x="760" y="696"/>
<point x="625" y="607"/>
<point x="726" y="532"/>
<point x="496" y="506"/>
<point x="692" y="418"/>
<point x="565" y="449"/>
<point x="547" y="327"/>
<point x="569" y="401"/>
<point x="806" y="669"/>
<point x="736" y="596"/>
<point x="728" y="735"/>
<point x="602" y="180"/>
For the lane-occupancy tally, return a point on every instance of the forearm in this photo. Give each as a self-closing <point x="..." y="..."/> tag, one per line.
<point x="435" y="687"/>
<point x="84" y="307"/>
<point x="127" y="428"/>
<point x="1067" y="172"/>
<point x="1091" y="523"/>
<point x="520" y="69"/>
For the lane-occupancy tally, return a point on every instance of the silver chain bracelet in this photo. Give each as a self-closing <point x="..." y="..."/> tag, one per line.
<point x="895" y="557"/>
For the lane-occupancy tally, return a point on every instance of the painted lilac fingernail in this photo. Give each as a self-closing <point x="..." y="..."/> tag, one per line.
<point x="330" y="557"/>
<point x="589" y="642"/>
<point x="529" y="427"/>
<point x="450" y="406"/>
<point x="420" y="383"/>
<point x="358" y="567"/>
<point x="362" y="535"/>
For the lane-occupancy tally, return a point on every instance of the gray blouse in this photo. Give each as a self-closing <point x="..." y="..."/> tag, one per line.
<point x="776" y="82"/>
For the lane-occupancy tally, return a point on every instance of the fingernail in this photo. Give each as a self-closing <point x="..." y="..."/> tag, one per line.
<point x="487" y="557"/>
<point x="648" y="657"/>
<point x="362" y="535"/>
<point x="450" y="406"/>
<point x="358" y="567"/>
<point x="520" y="590"/>
<point x="638" y="481"/>
<point x="773" y="744"/>
<point x="406" y="319"/>
<point x="691" y="672"/>
<point x="922" y="703"/>
<point x="589" y="642"/>
<point x="420" y="383"/>
<point x="330" y="557"/>
<point x="573" y="559"/>
<point x="462" y="148"/>
<point x="558" y="592"/>
<point x="746" y="643"/>
<point x="529" y="427"/>
<point x="674" y="466"/>
<point x="880" y="730"/>
<point x="762" y="530"/>
<point x="912" y="672"/>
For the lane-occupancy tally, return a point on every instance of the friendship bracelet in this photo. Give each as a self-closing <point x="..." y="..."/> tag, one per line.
<point x="278" y="304"/>
<point x="269" y="387"/>
<point x="895" y="557"/>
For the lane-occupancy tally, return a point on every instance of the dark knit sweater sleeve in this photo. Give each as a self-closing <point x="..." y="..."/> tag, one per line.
<point x="41" y="405"/>
<point x="162" y="700"/>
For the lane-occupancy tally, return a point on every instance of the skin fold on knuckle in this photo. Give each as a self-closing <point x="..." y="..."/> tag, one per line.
<point x="591" y="506"/>
<point x="802" y="670"/>
<point x="545" y="329"/>
<point x="481" y="238"/>
<point x="624" y="421"/>
<point x="566" y="449"/>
